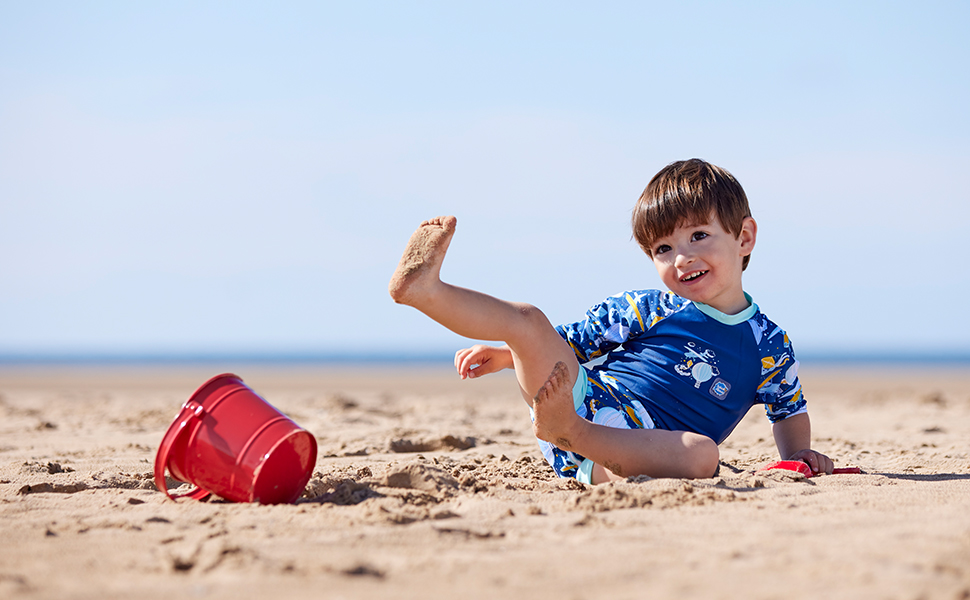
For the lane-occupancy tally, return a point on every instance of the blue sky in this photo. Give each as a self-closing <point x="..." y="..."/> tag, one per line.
<point x="242" y="177"/>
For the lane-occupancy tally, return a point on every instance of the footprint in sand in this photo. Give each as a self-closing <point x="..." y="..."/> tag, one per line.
<point x="447" y="442"/>
<point x="419" y="476"/>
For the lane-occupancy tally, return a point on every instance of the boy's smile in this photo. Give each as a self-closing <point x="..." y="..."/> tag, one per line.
<point x="702" y="263"/>
<point x="692" y="276"/>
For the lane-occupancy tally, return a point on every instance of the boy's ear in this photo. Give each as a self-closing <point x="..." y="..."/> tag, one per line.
<point x="749" y="234"/>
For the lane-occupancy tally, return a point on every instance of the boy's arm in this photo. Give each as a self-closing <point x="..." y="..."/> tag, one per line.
<point x="793" y="436"/>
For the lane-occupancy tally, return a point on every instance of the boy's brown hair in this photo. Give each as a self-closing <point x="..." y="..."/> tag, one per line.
<point x="687" y="192"/>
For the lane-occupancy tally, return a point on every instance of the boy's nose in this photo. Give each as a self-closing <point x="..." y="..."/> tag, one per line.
<point x="683" y="259"/>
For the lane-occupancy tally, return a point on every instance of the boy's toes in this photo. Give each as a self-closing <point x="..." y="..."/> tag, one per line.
<point x="447" y="223"/>
<point x="553" y="385"/>
<point x="560" y="375"/>
<point x="553" y="406"/>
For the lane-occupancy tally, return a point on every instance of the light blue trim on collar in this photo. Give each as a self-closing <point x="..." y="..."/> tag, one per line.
<point x="717" y="315"/>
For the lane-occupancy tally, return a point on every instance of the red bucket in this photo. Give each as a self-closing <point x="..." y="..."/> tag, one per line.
<point x="230" y="442"/>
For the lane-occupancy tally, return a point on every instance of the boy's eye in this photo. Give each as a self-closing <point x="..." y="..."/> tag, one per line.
<point x="661" y="249"/>
<point x="698" y="235"/>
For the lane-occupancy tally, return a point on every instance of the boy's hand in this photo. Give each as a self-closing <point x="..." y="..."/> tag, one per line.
<point x="794" y="433"/>
<point x="489" y="359"/>
<point x="818" y="462"/>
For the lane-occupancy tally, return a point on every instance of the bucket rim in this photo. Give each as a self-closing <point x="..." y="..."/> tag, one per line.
<point x="212" y="380"/>
<point x="309" y="474"/>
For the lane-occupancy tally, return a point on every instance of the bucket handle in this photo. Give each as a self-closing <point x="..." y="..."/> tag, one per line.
<point x="190" y="410"/>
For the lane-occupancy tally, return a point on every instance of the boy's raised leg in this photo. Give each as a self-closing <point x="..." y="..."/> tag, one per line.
<point x="620" y="452"/>
<point x="535" y="344"/>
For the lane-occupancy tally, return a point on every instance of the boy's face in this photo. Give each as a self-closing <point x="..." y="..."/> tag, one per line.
<point x="703" y="263"/>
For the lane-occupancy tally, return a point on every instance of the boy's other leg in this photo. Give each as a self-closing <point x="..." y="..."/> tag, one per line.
<point x="624" y="452"/>
<point x="535" y="344"/>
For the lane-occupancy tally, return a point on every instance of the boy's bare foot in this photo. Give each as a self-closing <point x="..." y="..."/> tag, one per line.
<point x="422" y="259"/>
<point x="556" y="420"/>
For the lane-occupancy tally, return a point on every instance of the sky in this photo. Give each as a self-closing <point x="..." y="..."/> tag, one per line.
<point x="214" y="177"/>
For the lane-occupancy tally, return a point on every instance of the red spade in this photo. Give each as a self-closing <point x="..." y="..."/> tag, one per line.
<point x="803" y="468"/>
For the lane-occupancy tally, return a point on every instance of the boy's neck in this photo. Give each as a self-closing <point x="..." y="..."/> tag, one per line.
<point x="737" y="316"/>
<point x="731" y="302"/>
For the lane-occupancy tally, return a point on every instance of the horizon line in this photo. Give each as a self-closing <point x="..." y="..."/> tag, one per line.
<point x="419" y="357"/>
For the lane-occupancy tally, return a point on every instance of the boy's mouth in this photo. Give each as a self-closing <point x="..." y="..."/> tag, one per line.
<point x="692" y="276"/>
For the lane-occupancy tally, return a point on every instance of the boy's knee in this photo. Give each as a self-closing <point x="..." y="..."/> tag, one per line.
<point x="532" y="316"/>
<point x="705" y="456"/>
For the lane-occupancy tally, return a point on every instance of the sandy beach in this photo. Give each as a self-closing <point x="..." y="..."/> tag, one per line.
<point x="426" y="486"/>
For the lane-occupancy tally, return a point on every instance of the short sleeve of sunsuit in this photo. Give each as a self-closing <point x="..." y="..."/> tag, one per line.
<point x="617" y="319"/>
<point x="780" y="391"/>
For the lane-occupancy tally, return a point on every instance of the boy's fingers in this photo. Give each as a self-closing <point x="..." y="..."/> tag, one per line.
<point x="462" y="362"/>
<point x="812" y="461"/>
<point x="808" y="457"/>
<point x="459" y="357"/>
<point x="820" y="463"/>
<point x="483" y="369"/>
<point x="467" y="366"/>
<point x="828" y="465"/>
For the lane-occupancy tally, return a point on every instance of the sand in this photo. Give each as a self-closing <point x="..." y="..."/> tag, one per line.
<point x="430" y="487"/>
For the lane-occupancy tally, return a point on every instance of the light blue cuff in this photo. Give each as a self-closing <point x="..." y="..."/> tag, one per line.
<point x="579" y="390"/>
<point x="585" y="472"/>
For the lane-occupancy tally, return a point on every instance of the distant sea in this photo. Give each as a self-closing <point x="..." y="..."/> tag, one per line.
<point x="953" y="359"/>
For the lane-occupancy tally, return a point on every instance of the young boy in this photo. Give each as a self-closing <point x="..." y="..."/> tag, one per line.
<point x="682" y="367"/>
